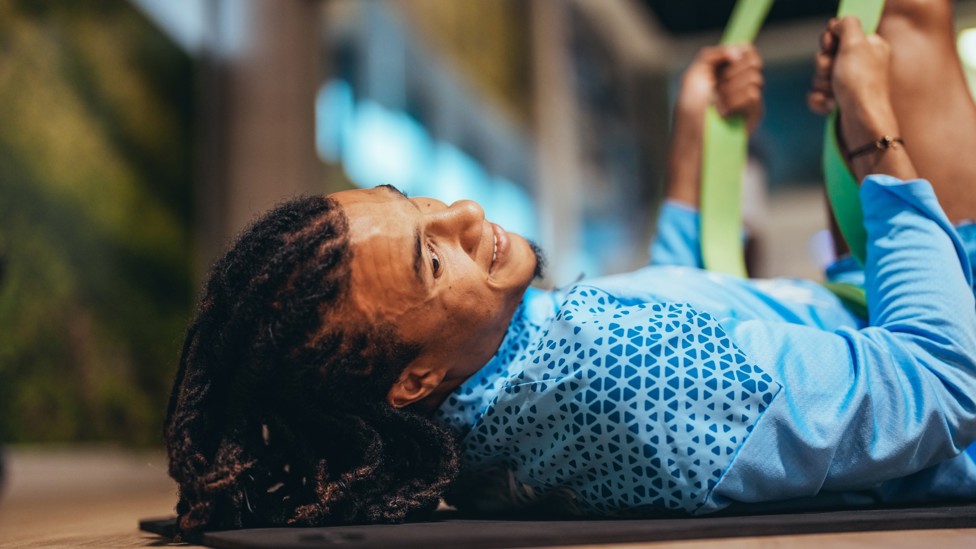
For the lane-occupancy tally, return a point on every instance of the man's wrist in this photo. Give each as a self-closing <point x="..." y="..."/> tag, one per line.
<point x="683" y="195"/>
<point x="882" y="145"/>
<point x="868" y="124"/>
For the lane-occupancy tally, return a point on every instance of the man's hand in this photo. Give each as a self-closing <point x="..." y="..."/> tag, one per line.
<point x="730" y="77"/>
<point x="851" y="72"/>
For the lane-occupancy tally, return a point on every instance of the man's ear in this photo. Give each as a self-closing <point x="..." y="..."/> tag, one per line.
<point x="416" y="382"/>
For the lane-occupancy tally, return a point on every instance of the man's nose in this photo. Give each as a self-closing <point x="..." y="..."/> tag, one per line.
<point x="464" y="220"/>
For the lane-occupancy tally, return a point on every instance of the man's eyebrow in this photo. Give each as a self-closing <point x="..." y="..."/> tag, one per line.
<point x="418" y="254"/>
<point x="392" y="189"/>
<point x="398" y="193"/>
<point x="418" y="257"/>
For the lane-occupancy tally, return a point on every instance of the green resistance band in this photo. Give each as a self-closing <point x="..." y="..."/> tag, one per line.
<point x="724" y="153"/>
<point x="842" y="187"/>
<point x="852" y="296"/>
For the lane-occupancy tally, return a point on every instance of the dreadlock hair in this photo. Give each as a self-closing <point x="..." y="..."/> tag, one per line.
<point x="278" y="413"/>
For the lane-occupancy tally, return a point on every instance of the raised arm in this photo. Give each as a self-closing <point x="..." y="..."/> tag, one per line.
<point x="852" y="69"/>
<point x="861" y="407"/>
<point x="730" y="77"/>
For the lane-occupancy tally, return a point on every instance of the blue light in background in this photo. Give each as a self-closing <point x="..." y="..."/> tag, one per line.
<point x="512" y="208"/>
<point x="453" y="176"/>
<point x="186" y="21"/>
<point x="333" y="116"/>
<point x="966" y="45"/>
<point x="378" y="146"/>
<point x="383" y="147"/>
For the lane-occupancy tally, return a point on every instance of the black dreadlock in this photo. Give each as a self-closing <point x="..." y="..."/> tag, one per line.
<point x="278" y="413"/>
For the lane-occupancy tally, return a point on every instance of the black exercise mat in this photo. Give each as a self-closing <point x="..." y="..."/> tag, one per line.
<point x="487" y="534"/>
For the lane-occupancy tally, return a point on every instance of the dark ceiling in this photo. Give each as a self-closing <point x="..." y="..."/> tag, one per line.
<point x="691" y="16"/>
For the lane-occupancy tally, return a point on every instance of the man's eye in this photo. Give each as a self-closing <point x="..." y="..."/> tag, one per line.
<point x="436" y="261"/>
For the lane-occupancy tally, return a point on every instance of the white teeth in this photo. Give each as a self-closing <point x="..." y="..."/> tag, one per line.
<point x="494" y="253"/>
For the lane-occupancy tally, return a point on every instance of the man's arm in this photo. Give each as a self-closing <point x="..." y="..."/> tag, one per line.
<point x="731" y="78"/>
<point x="861" y="407"/>
<point x="852" y="69"/>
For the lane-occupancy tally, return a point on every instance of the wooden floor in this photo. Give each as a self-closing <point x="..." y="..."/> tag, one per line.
<point x="78" y="497"/>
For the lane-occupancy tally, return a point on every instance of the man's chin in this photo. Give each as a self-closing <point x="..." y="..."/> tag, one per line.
<point x="540" y="260"/>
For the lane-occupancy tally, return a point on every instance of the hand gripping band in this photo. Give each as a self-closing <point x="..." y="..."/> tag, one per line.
<point x="724" y="153"/>
<point x="842" y="187"/>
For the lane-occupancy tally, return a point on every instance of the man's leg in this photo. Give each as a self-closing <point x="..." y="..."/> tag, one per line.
<point x="936" y="113"/>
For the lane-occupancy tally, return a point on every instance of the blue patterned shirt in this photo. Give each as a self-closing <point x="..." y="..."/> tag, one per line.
<point x="675" y="389"/>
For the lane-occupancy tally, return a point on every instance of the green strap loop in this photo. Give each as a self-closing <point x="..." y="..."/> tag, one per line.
<point x="868" y="11"/>
<point x="746" y="20"/>
<point x="852" y="296"/>
<point x="842" y="186"/>
<point x="724" y="153"/>
<point x="842" y="189"/>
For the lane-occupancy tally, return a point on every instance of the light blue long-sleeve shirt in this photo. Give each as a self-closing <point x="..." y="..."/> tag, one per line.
<point x="672" y="388"/>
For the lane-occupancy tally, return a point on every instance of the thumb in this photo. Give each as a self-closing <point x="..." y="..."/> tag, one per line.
<point x="715" y="56"/>
<point x="847" y="30"/>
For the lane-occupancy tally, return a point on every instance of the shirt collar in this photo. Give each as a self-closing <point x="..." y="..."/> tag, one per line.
<point x="465" y="405"/>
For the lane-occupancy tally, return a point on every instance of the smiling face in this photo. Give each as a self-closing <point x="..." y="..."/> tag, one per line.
<point x="445" y="276"/>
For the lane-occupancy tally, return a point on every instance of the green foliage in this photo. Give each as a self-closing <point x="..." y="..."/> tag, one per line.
<point x="95" y="217"/>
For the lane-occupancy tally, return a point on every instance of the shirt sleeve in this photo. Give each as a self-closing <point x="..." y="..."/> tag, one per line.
<point x="859" y="407"/>
<point x="677" y="241"/>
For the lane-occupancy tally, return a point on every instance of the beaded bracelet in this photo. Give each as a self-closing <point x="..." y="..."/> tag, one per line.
<point x="886" y="142"/>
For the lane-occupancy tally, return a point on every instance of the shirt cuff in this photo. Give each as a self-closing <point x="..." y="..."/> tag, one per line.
<point x="677" y="240"/>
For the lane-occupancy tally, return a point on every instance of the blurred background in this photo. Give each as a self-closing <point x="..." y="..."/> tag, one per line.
<point x="138" y="136"/>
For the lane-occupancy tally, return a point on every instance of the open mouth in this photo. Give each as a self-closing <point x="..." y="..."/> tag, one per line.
<point x="499" y="246"/>
<point x="494" y="252"/>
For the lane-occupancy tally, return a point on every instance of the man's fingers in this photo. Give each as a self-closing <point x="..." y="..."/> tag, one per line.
<point x="879" y="43"/>
<point x="714" y="56"/>
<point x="828" y="42"/>
<point x="730" y="59"/>
<point x="739" y="96"/>
<point x="747" y="105"/>
<point x="847" y="30"/>
<point x="736" y="76"/>
<point x="742" y="66"/>
<point x="822" y="65"/>
<point x="740" y="84"/>
<point x="820" y="99"/>
<point x="822" y="68"/>
<point x="750" y="84"/>
<point x="820" y="102"/>
<point x="743" y="71"/>
<point x="731" y="76"/>
<point x="822" y="83"/>
<point x="740" y="102"/>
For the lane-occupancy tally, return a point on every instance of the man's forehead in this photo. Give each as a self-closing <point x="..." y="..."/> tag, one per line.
<point x="382" y="193"/>
<point x="384" y="232"/>
<point x="386" y="262"/>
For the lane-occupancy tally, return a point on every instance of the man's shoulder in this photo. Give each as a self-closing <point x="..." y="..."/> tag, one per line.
<point x="599" y="335"/>
<point x="618" y="393"/>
